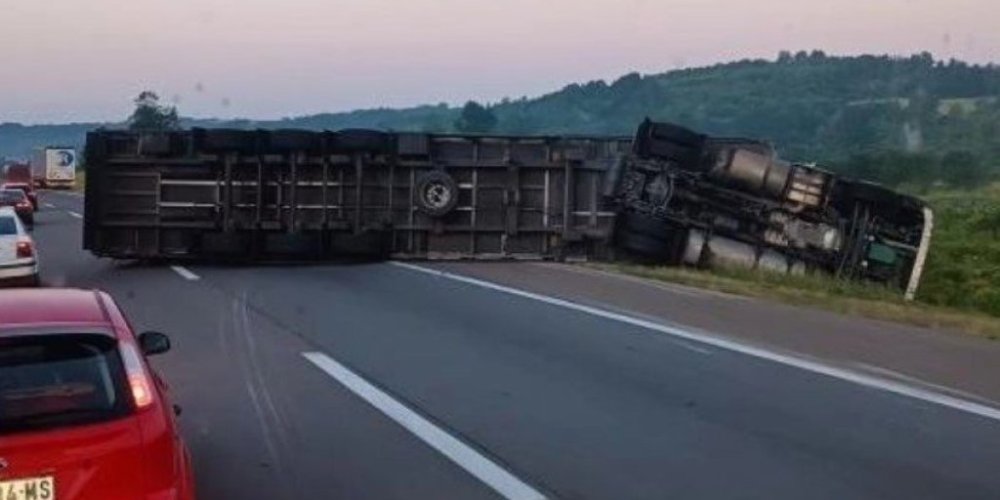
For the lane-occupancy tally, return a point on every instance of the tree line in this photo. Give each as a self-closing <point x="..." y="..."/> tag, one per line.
<point x="911" y="121"/>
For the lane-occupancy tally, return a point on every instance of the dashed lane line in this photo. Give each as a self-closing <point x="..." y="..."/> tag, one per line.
<point x="185" y="273"/>
<point x="466" y="457"/>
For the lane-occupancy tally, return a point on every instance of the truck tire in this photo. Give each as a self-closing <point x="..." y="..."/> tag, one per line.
<point x="436" y="193"/>
<point x="643" y="245"/>
<point x="670" y="142"/>
<point x="668" y="132"/>
<point x="645" y="225"/>
<point x="687" y="156"/>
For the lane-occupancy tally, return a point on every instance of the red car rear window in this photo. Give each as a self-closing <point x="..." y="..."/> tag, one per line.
<point x="51" y="381"/>
<point x="12" y="195"/>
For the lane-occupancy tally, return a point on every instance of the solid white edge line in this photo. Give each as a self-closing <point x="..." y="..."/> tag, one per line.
<point x="473" y="462"/>
<point x="74" y="214"/>
<point x="731" y="345"/>
<point x="185" y="273"/>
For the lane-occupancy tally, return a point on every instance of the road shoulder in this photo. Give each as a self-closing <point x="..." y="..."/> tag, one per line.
<point x="963" y="366"/>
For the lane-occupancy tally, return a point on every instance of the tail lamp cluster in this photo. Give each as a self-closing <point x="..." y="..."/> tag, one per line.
<point x="25" y="249"/>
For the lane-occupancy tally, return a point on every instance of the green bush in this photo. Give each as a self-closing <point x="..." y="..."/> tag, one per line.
<point x="963" y="268"/>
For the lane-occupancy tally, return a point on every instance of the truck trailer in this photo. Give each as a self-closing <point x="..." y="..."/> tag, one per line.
<point x="54" y="167"/>
<point x="667" y="195"/>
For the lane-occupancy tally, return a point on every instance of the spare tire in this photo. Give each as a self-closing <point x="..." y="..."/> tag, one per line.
<point x="436" y="193"/>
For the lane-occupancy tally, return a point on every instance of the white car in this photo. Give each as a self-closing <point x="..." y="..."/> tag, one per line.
<point x="18" y="256"/>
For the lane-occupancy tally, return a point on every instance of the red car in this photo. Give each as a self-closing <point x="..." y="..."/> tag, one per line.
<point x="22" y="205"/>
<point x="82" y="413"/>
<point x="27" y="187"/>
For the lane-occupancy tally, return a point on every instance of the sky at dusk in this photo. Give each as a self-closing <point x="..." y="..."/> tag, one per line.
<point x="83" y="60"/>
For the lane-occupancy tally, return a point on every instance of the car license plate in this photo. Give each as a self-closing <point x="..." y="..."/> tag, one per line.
<point x="32" y="488"/>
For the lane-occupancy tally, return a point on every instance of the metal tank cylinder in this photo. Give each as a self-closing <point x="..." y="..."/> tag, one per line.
<point x="756" y="172"/>
<point x="717" y="251"/>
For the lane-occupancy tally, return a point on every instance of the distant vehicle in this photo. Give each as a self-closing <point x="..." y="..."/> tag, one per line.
<point x="54" y="167"/>
<point x="27" y="187"/>
<point x="17" y="172"/>
<point x="17" y="200"/>
<point x="84" y="416"/>
<point x="18" y="257"/>
<point x="668" y="195"/>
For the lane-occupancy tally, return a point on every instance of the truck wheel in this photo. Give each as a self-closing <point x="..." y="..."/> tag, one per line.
<point x="670" y="142"/>
<point x="689" y="157"/>
<point x="437" y="193"/>
<point x="645" y="225"/>
<point x="668" y="132"/>
<point x="643" y="245"/>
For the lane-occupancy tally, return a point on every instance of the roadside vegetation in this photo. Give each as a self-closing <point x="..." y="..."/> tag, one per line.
<point x="960" y="290"/>
<point x="81" y="180"/>
<point x="963" y="269"/>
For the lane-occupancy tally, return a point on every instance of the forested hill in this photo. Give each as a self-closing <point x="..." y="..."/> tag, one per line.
<point x="804" y="103"/>
<point x="837" y="110"/>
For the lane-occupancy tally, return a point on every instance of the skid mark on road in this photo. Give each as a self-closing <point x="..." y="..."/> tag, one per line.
<point x="701" y="337"/>
<point x="237" y="340"/>
<point x="463" y="455"/>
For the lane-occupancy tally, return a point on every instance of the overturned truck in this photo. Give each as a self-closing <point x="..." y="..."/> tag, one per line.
<point x="668" y="194"/>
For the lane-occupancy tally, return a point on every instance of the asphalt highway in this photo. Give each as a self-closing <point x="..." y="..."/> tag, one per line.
<point x="382" y="380"/>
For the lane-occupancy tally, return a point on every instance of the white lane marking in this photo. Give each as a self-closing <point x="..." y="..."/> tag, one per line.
<point x="732" y="345"/>
<point x="74" y="214"/>
<point x="916" y="381"/>
<point x="692" y="347"/>
<point x="483" y="468"/>
<point x="48" y="205"/>
<point x="185" y="273"/>
<point x="660" y="285"/>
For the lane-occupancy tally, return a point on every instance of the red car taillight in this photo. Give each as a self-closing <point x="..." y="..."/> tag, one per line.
<point x="138" y="380"/>
<point x="25" y="249"/>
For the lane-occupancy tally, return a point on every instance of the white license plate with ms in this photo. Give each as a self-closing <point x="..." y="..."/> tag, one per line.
<point x="32" y="488"/>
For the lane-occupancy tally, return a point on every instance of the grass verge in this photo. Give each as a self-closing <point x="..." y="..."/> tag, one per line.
<point x="960" y="290"/>
<point x="822" y="292"/>
<point x="81" y="181"/>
